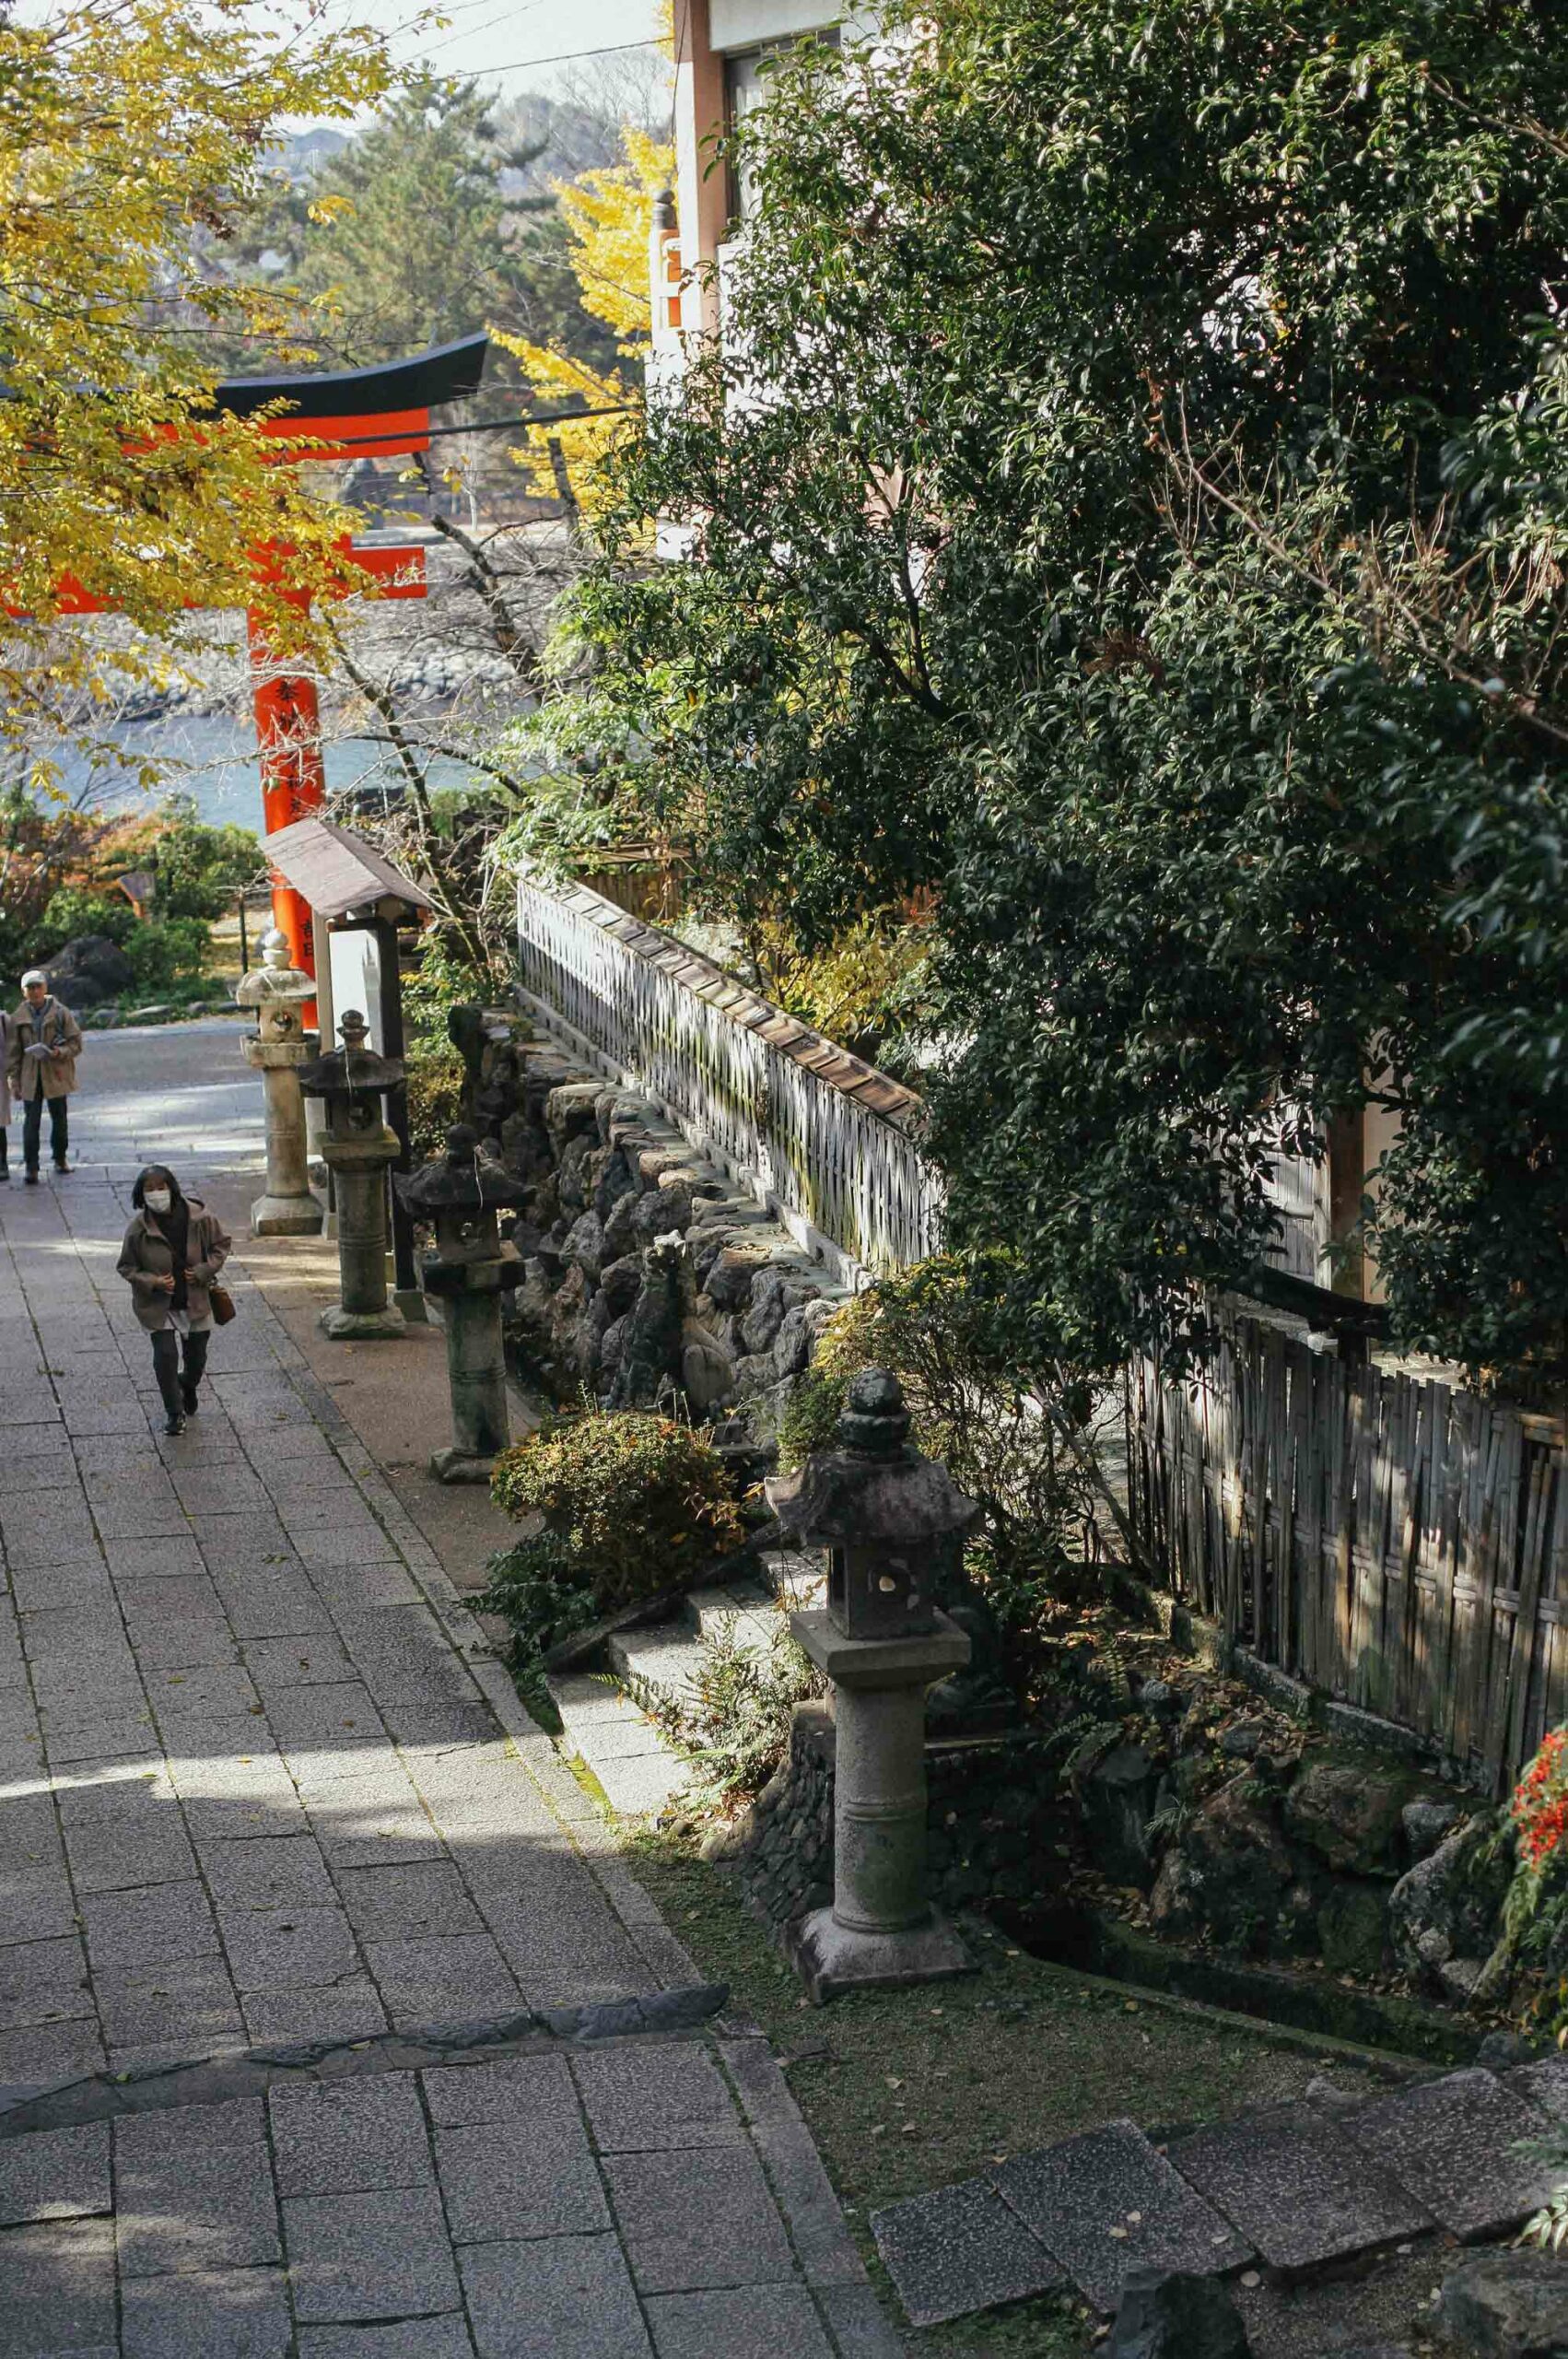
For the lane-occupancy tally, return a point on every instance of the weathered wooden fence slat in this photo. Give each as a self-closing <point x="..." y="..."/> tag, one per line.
<point x="1398" y="1544"/>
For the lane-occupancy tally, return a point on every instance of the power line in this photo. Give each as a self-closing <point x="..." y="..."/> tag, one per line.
<point x="564" y="56"/>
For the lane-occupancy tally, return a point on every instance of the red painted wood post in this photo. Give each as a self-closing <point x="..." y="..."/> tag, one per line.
<point x="294" y="784"/>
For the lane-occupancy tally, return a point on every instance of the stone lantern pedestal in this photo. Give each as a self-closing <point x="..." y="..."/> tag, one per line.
<point x="359" y="1148"/>
<point x="468" y="1274"/>
<point x="277" y="1048"/>
<point x="889" y="1519"/>
<point x="881" y="1929"/>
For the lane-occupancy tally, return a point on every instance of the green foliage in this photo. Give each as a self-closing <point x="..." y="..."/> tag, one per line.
<point x="435" y="1094"/>
<point x="75" y="910"/>
<point x="733" y="1716"/>
<point x="199" y="870"/>
<point x="1153" y="549"/>
<point x="1548" y="2228"/>
<point x="632" y="1504"/>
<point x="1015" y="1431"/>
<point x="442" y="980"/>
<point x="167" y="954"/>
<point x="536" y="1587"/>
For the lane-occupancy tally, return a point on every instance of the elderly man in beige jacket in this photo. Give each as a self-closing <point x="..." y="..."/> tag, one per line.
<point x="40" y="1065"/>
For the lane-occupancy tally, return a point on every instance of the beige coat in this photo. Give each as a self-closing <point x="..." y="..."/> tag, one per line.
<point x="57" y="1028"/>
<point x="144" y="1257"/>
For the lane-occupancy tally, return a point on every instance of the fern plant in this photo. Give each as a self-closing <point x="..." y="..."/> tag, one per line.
<point x="732" y="1722"/>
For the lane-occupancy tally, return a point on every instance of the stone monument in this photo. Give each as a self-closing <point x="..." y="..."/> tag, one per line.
<point x="359" y="1148"/>
<point x="277" y="1048"/>
<point x="894" y="1523"/>
<point x="467" y="1275"/>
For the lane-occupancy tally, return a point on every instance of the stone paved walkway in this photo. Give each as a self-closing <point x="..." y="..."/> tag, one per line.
<point x="258" y="1790"/>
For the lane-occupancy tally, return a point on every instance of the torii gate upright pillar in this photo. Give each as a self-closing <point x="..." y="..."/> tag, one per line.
<point x="294" y="784"/>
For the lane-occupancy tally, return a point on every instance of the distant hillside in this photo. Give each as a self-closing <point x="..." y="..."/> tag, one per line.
<point x="303" y="153"/>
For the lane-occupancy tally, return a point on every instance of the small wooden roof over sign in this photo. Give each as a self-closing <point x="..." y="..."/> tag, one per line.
<point x="338" y="872"/>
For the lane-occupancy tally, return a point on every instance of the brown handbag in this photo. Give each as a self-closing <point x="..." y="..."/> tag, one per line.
<point x="221" y="1304"/>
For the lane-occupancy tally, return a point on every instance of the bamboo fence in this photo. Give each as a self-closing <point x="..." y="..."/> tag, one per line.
<point x="1397" y="1543"/>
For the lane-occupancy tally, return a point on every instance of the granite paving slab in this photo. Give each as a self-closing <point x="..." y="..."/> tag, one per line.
<point x="207" y="2314"/>
<point x="1107" y="2203"/>
<point x="379" y="2254"/>
<point x="701" y="2217"/>
<point x="958" y="2249"/>
<point x="498" y="2184"/>
<point x="1452" y="2144"/>
<point x="554" y="2297"/>
<point x="350" y="2138"/>
<point x="58" y="2175"/>
<point x="664" y="2096"/>
<point x="518" y="2088"/>
<point x="1296" y="2187"/>
<point x="194" y="2189"/>
<point x="59" y="2283"/>
<point x="737" y="2326"/>
<point x="426" y="2338"/>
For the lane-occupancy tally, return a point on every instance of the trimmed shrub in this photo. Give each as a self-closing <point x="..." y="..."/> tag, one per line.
<point x="631" y="1505"/>
<point x="639" y="1502"/>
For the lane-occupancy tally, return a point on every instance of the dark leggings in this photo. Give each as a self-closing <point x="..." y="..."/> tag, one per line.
<point x="166" y="1368"/>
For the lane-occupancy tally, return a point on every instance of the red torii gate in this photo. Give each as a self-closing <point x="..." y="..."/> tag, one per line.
<point x="377" y="413"/>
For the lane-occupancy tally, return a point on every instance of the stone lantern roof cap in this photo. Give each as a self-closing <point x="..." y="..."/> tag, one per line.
<point x="351" y="1068"/>
<point x="875" y="1486"/>
<point x="462" y="1180"/>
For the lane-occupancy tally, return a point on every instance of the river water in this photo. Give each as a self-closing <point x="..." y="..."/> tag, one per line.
<point x="211" y="758"/>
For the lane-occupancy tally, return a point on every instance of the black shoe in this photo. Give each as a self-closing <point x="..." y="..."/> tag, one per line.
<point x="31" y="1178"/>
<point x="63" y="1168"/>
<point x="188" y="1394"/>
<point x="174" y="1424"/>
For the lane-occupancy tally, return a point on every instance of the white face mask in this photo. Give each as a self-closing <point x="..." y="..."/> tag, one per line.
<point x="157" y="1199"/>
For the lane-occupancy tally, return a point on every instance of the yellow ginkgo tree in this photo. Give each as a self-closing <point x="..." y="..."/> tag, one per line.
<point x="133" y="132"/>
<point x="609" y="216"/>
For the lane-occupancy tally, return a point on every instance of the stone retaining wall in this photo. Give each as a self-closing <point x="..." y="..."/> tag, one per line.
<point x="649" y="1274"/>
<point x="989" y="1832"/>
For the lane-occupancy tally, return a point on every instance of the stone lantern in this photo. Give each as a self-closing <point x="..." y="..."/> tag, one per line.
<point x="359" y="1148"/>
<point x="892" y="1521"/>
<point x="467" y="1274"/>
<point x="277" y="1048"/>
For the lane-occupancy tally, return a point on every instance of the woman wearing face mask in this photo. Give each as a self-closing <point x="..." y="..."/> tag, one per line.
<point x="173" y="1249"/>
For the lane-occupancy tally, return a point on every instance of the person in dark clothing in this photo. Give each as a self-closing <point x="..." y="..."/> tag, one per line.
<point x="172" y="1251"/>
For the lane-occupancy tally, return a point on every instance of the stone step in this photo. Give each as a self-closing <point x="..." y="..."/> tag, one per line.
<point x="959" y="2251"/>
<point x="746" y="1607"/>
<point x="1108" y="2203"/>
<point x="1299" y="2184"/>
<point x="798" y="1577"/>
<point x="1297" y="2188"/>
<point x="629" y="1756"/>
<point x="665" y="1655"/>
<point x="1452" y="2144"/>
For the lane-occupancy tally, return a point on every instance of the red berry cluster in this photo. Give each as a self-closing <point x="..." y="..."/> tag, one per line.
<point x="1540" y="1801"/>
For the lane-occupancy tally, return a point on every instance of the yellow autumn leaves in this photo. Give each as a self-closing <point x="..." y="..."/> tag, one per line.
<point x="609" y="215"/>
